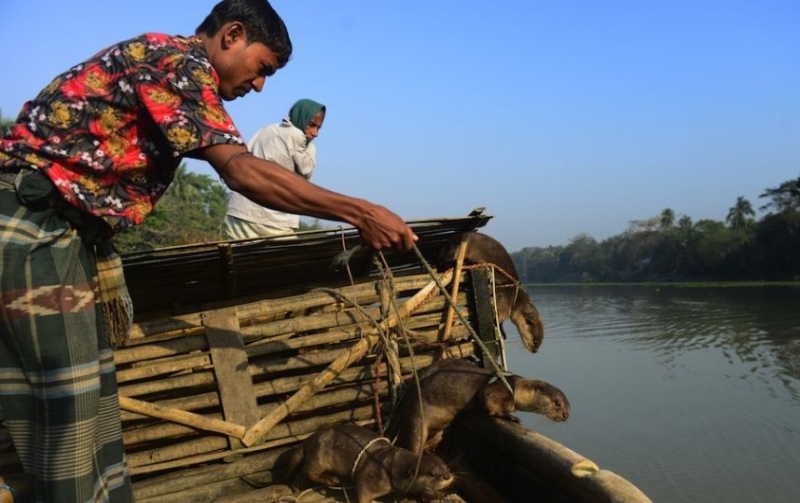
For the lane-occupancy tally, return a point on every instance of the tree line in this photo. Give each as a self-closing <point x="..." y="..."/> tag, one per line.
<point x="663" y="249"/>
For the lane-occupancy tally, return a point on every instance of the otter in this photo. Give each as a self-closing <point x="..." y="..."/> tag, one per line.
<point x="375" y="466"/>
<point x="512" y="300"/>
<point x="453" y="385"/>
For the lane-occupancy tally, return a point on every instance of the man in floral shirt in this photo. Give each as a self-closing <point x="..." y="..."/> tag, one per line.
<point x="90" y="155"/>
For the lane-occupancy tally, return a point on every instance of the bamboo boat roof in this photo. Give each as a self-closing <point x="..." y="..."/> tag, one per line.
<point x="177" y="280"/>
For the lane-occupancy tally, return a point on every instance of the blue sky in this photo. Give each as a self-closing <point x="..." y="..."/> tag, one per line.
<point x="560" y="118"/>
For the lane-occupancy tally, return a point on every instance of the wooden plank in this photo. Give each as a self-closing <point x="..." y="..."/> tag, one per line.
<point x="231" y="367"/>
<point x="484" y="309"/>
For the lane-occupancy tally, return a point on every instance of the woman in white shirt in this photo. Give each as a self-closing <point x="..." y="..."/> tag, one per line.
<point x="287" y="143"/>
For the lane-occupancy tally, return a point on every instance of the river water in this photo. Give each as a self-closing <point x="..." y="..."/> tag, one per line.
<point x="692" y="394"/>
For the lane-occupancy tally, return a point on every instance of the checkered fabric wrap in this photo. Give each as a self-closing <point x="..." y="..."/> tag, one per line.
<point x="58" y="388"/>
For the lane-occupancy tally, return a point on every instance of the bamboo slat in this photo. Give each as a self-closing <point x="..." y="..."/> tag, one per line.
<point x="448" y="324"/>
<point x="181" y="417"/>
<point x="256" y="432"/>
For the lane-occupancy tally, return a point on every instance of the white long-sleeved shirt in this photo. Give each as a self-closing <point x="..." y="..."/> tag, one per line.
<point x="286" y="145"/>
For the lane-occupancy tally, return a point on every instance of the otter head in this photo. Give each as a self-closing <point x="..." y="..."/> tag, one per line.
<point x="540" y="397"/>
<point x="433" y="475"/>
<point x="526" y="318"/>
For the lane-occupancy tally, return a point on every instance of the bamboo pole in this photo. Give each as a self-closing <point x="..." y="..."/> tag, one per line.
<point x="217" y="482"/>
<point x="167" y="367"/>
<point x="195" y="450"/>
<point x="151" y="350"/>
<point x="205" y="379"/>
<point x="256" y="432"/>
<point x="255" y="312"/>
<point x="197" y="379"/>
<point x="462" y="251"/>
<point x="181" y="416"/>
<point x="356" y="391"/>
<point x="273" y="493"/>
<point x="146" y="353"/>
<point x="146" y="358"/>
<point x="348" y="379"/>
<point x="202" y="492"/>
<point x="163" y="329"/>
<point x="187" y="452"/>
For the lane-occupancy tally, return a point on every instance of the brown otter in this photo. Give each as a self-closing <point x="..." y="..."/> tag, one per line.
<point x="449" y="386"/>
<point x="512" y="300"/>
<point x="376" y="467"/>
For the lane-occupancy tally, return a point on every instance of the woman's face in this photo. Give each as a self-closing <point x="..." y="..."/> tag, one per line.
<point x="314" y="125"/>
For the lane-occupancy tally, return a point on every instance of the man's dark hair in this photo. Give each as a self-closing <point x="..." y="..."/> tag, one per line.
<point x="261" y="23"/>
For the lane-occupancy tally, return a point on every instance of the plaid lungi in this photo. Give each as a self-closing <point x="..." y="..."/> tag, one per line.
<point x="58" y="389"/>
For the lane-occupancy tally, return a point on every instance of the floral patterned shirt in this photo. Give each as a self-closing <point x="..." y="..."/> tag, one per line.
<point x="111" y="131"/>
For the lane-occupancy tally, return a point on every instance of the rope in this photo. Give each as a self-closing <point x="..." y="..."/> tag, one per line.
<point x="387" y="277"/>
<point x="376" y="324"/>
<point x="515" y="284"/>
<point x="498" y="331"/>
<point x="386" y="271"/>
<point x="498" y="371"/>
<point x="376" y="395"/>
<point x="344" y="259"/>
<point x="364" y="450"/>
<point x="346" y="255"/>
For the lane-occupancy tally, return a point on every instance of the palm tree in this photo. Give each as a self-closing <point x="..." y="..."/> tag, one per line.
<point x="184" y="184"/>
<point x="685" y="223"/>
<point x="784" y="199"/>
<point x="740" y="215"/>
<point x="667" y="218"/>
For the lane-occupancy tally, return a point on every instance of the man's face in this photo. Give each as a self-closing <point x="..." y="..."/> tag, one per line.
<point x="314" y="125"/>
<point x="242" y="68"/>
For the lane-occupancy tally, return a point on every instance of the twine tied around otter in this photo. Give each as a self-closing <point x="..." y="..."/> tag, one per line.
<point x="363" y="451"/>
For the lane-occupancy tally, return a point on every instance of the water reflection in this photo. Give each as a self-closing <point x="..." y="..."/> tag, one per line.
<point x="692" y="394"/>
<point x="757" y="326"/>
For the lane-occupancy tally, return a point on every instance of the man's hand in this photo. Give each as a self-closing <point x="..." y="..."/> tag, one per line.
<point x="381" y="229"/>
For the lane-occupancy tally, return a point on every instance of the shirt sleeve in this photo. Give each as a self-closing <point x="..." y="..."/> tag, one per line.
<point x="305" y="160"/>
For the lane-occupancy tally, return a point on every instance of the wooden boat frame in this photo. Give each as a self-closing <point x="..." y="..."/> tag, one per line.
<point x="241" y="349"/>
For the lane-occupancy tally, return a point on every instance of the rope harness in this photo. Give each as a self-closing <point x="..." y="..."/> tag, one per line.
<point x="386" y="274"/>
<point x="363" y="451"/>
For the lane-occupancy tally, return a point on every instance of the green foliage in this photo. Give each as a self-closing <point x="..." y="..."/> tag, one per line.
<point x="4" y="123"/>
<point x="740" y="215"/>
<point x="784" y="199"/>
<point x="191" y="211"/>
<point x="309" y="226"/>
<point x="667" y="218"/>
<point x="654" y="249"/>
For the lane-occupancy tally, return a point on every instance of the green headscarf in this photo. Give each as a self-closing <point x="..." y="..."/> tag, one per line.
<point x="303" y="111"/>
